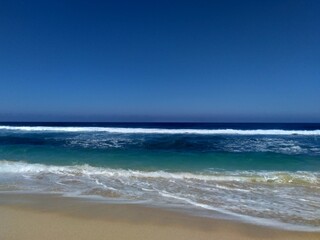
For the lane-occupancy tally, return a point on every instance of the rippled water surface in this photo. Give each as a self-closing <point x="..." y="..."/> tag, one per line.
<point x="267" y="173"/>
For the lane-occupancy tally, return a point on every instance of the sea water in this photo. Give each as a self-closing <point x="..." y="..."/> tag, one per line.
<point x="262" y="173"/>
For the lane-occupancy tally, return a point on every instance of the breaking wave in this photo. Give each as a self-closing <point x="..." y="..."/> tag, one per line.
<point x="263" y="197"/>
<point x="162" y="131"/>
<point x="279" y="177"/>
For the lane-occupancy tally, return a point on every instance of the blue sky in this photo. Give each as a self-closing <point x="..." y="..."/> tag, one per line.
<point x="160" y="61"/>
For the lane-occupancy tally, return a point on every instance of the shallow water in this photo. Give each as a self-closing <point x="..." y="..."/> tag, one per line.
<point x="261" y="172"/>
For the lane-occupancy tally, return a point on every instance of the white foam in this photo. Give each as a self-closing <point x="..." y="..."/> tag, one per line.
<point x="250" y="219"/>
<point x="279" y="177"/>
<point x="162" y="131"/>
<point x="242" y="194"/>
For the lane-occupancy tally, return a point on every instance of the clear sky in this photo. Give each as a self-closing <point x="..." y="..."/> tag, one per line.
<point x="160" y="60"/>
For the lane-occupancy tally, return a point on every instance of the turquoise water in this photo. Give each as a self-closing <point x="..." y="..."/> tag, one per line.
<point x="263" y="173"/>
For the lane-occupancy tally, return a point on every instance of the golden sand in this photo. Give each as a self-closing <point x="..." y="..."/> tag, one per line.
<point x="28" y="217"/>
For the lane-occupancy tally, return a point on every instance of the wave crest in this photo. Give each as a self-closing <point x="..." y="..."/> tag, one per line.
<point x="279" y="177"/>
<point x="247" y="195"/>
<point x="161" y="131"/>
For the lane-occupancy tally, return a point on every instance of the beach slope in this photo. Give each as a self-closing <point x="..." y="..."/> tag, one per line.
<point x="38" y="217"/>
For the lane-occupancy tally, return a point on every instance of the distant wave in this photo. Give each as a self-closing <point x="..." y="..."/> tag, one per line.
<point x="162" y="131"/>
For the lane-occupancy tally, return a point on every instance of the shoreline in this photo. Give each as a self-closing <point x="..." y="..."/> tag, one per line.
<point x="43" y="216"/>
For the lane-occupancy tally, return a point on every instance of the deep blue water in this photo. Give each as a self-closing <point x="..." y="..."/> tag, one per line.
<point x="268" y="171"/>
<point x="165" y="151"/>
<point x="174" y="125"/>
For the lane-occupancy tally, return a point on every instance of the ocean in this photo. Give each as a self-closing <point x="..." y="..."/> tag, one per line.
<point x="264" y="173"/>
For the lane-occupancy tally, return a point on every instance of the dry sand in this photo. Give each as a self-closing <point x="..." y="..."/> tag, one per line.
<point x="29" y="217"/>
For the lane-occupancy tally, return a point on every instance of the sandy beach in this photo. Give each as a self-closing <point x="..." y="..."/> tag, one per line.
<point x="53" y="217"/>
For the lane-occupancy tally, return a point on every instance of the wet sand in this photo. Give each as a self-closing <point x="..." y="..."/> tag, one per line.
<point x="35" y="217"/>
